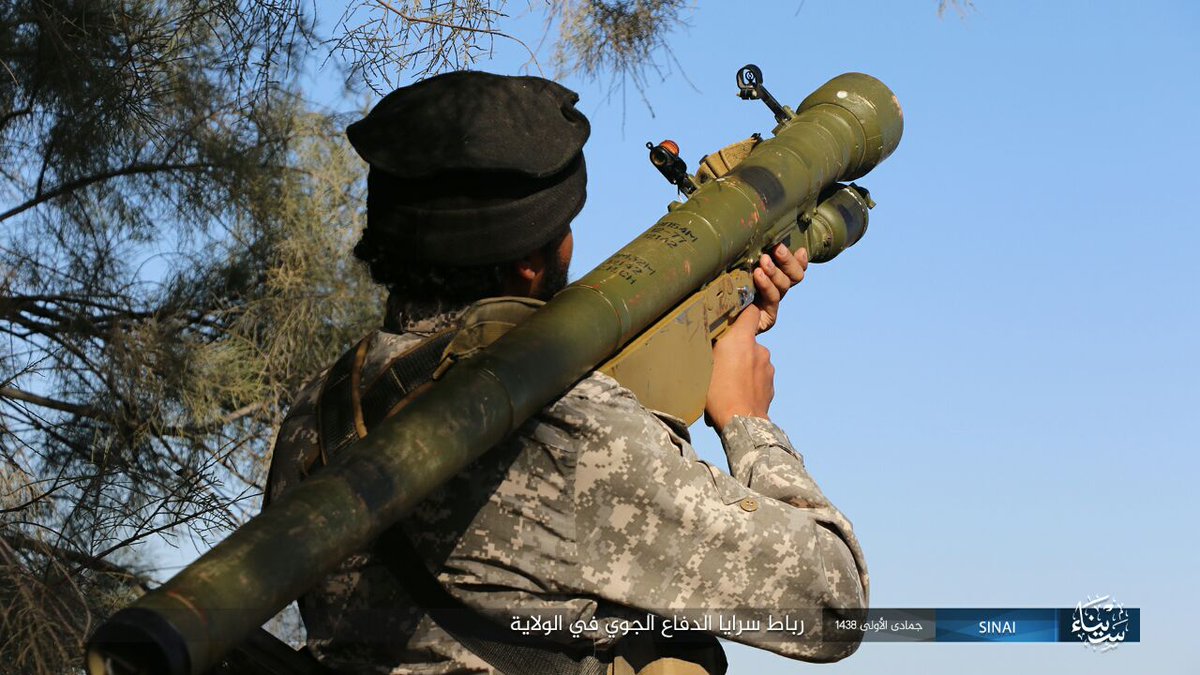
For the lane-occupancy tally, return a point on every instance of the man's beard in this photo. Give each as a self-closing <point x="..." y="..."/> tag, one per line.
<point x="554" y="278"/>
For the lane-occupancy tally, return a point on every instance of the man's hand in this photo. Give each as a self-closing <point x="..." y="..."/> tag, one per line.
<point x="743" y="379"/>
<point x="775" y="274"/>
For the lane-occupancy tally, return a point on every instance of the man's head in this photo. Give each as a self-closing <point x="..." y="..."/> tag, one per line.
<point x="474" y="181"/>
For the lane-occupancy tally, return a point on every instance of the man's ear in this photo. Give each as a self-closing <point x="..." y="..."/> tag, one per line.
<point x="530" y="267"/>
<point x="524" y="274"/>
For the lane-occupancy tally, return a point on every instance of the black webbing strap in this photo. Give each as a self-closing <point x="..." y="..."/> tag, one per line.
<point x="339" y="412"/>
<point x="403" y="375"/>
<point x="343" y="417"/>
<point x="338" y="425"/>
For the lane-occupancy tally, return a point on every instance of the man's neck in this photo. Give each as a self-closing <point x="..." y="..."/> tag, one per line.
<point x="407" y="316"/>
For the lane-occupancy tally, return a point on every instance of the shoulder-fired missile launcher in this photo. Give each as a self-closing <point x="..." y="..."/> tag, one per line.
<point x="690" y="269"/>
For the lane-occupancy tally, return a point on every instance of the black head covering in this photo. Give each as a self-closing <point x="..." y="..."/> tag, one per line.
<point x="472" y="168"/>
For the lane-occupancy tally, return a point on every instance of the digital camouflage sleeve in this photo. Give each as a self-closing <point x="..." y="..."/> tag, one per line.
<point x="595" y="508"/>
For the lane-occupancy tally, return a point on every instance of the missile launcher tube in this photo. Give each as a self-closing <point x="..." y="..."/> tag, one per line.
<point x="184" y="627"/>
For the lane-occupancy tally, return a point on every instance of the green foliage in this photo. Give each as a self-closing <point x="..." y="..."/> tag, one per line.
<point x="615" y="36"/>
<point x="388" y="42"/>
<point x="383" y="40"/>
<point x="173" y="262"/>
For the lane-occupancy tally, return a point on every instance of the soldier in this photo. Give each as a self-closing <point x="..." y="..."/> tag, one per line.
<point x="597" y="510"/>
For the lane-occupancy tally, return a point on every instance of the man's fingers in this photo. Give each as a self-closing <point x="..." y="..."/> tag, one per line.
<point x="793" y="265"/>
<point x="776" y="274"/>
<point x="769" y="292"/>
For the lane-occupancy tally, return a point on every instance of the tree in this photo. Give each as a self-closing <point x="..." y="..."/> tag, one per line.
<point x="174" y="228"/>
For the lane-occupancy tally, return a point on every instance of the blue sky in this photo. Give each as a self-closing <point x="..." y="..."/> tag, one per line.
<point x="998" y="385"/>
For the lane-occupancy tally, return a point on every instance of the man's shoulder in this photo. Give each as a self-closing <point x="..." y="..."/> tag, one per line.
<point x="599" y="397"/>
<point x="608" y="405"/>
<point x="599" y="389"/>
<point x="383" y="348"/>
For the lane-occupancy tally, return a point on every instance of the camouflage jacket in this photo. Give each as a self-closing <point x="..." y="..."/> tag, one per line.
<point x="595" y="509"/>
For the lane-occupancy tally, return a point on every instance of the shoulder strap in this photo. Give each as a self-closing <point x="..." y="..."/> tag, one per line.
<point x="340" y="425"/>
<point x="343" y="417"/>
<point x="402" y="377"/>
<point x="345" y="414"/>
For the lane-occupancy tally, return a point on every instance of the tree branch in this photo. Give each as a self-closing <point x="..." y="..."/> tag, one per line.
<point x="53" y="404"/>
<point x="183" y="430"/>
<point x="24" y="542"/>
<point x="71" y="186"/>
<point x="453" y="26"/>
<point x="10" y="116"/>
